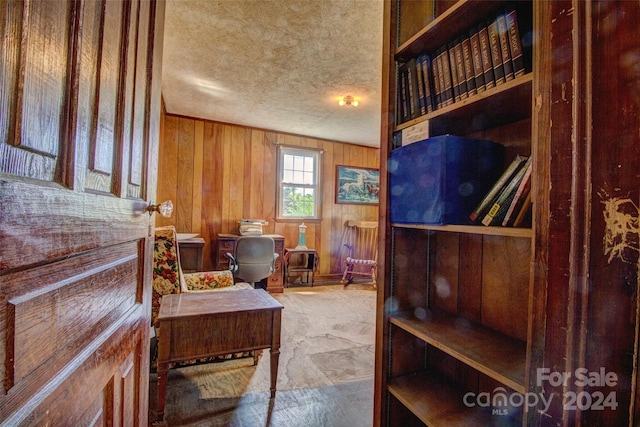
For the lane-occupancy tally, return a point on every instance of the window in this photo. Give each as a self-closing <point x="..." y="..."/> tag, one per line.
<point x="298" y="183"/>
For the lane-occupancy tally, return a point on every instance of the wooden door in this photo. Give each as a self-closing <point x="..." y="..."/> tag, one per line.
<point x="79" y="118"/>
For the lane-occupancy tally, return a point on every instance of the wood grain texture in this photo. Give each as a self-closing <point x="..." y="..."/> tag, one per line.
<point x="238" y="180"/>
<point x="470" y="280"/>
<point x="444" y="278"/>
<point x="75" y="266"/>
<point x="137" y="144"/>
<point x="105" y="131"/>
<point x="183" y="204"/>
<point x="47" y="292"/>
<point x="196" y="211"/>
<point x="168" y="167"/>
<point x="43" y="75"/>
<point x="505" y="285"/>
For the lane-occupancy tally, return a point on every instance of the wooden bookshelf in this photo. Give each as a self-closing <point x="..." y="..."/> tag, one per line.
<point x="550" y="294"/>
<point x="457" y="320"/>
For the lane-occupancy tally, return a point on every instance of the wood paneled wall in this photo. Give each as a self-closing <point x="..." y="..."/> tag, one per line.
<point x="218" y="173"/>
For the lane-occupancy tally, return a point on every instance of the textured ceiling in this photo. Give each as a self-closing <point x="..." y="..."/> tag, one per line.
<point x="277" y="64"/>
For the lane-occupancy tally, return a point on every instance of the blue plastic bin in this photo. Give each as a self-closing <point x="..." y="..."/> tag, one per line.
<point x="440" y="180"/>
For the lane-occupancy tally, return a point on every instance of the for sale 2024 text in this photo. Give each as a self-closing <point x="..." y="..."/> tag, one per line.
<point x="600" y="397"/>
<point x="597" y="400"/>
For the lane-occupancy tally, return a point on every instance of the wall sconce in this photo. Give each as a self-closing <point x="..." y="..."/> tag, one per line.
<point x="165" y="208"/>
<point x="348" y="101"/>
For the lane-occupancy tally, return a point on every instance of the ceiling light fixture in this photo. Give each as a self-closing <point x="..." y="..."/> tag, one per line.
<point x="348" y="101"/>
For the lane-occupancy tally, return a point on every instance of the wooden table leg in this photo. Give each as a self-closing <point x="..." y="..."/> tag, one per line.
<point x="163" y="373"/>
<point x="275" y="349"/>
<point x="275" y="357"/>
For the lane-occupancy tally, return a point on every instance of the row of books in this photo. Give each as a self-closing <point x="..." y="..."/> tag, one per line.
<point x="508" y="202"/>
<point x="486" y="56"/>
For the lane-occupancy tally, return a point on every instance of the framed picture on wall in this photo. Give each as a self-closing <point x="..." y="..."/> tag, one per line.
<point x="357" y="185"/>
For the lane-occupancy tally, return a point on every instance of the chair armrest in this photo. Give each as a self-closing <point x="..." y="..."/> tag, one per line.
<point x="233" y="264"/>
<point x="207" y="280"/>
<point x="273" y="262"/>
<point x="236" y="287"/>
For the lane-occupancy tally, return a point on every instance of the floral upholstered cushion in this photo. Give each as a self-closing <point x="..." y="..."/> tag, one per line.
<point x="208" y="280"/>
<point x="166" y="268"/>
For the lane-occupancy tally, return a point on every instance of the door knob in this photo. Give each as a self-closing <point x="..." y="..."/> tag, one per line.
<point x="165" y="208"/>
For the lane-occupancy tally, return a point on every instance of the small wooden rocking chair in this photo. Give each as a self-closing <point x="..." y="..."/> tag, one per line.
<point x="361" y="241"/>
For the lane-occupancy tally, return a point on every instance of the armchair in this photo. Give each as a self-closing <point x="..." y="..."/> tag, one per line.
<point x="254" y="258"/>
<point x="168" y="278"/>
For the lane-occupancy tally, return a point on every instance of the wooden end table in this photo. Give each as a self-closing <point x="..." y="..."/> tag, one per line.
<point x="310" y="260"/>
<point x="202" y="324"/>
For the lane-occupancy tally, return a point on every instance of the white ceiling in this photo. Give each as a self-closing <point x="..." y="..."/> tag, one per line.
<point x="276" y="64"/>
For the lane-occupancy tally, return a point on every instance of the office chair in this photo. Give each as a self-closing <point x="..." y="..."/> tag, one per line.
<point x="254" y="258"/>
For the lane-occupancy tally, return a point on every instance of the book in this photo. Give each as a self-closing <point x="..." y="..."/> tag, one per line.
<point x="421" y="95"/>
<point x="460" y="70"/>
<point x="484" y="204"/>
<point x="440" y="74"/>
<point x="403" y="93"/>
<point x="474" y="40"/>
<point x="501" y="203"/>
<point x="485" y="54"/>
<point x="496" y="52"/>
<point x="437" y="88"/>
<point x="455" y="83"/>
<point x="424" y="62"/>
<point x="524" y="216"/>
<point x="468" y="66"/>
<point x="519" y="197"/>
<point x="446" y="74"/>
<point x="515" y="43"/>
<point x="412" y="83"/>
<point x="503" y="36"/>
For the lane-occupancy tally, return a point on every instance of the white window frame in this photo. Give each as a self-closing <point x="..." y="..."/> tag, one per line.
<point x="315" y="184"/>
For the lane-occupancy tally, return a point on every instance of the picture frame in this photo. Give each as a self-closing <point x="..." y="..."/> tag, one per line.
<point x="357" y="185"/>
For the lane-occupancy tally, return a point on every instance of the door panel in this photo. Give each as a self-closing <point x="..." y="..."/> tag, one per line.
<point x="104" y="287"/>
<point x="79" y="97"/>
<point x="42" y="75"/>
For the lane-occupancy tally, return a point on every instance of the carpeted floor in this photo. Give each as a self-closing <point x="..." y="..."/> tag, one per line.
<point x="325" y="373"/>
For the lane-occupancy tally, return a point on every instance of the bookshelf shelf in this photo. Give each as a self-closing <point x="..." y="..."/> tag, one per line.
<point x="440" y="404"/>
<point x="472" y="229"/>
<point x="498" y="356"/>
<point x="481" y="111"/>
<point x="456" y="19"/>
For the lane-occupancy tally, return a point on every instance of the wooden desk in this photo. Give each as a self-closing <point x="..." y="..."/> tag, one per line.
<point x="202" y="324"/>
<point x="308" y="263"/>
<point x="227" y="243"/>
